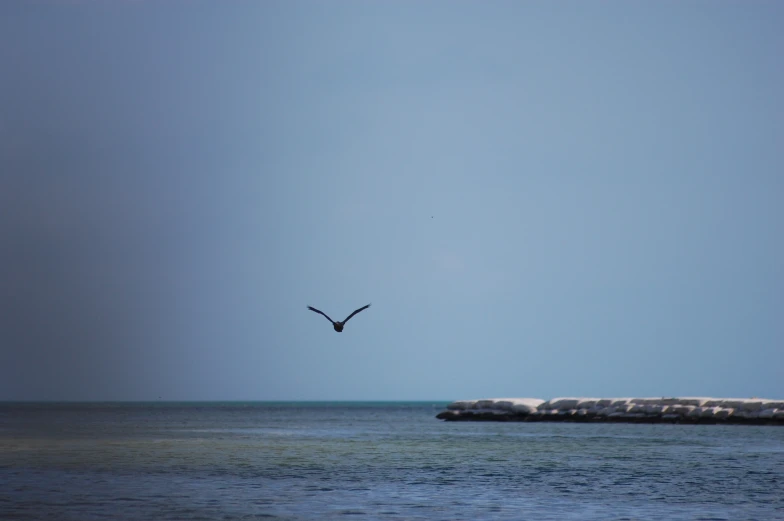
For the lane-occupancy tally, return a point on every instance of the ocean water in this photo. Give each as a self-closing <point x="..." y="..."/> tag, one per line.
<point x="314" y="461"/>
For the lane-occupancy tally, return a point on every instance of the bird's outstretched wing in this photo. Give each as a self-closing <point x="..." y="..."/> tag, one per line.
<point x="321" y="313"/>
<point x="355" y="312"/>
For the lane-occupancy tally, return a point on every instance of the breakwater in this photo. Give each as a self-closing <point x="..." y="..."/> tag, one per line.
<point x="694" y="410"/>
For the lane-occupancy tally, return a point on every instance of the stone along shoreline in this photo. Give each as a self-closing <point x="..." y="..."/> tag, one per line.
<point x="688" y="410"/>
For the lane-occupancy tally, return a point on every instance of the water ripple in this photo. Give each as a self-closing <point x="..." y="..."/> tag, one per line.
<point x="376" y="462"/>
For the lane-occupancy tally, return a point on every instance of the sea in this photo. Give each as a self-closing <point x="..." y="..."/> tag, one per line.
<point x="372" y="460"/>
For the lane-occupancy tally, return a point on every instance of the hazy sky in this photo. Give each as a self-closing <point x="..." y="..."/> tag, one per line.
<point x="540" y="199"/>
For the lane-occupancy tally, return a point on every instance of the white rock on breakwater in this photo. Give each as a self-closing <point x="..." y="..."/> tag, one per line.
<point x="756" y="411"/>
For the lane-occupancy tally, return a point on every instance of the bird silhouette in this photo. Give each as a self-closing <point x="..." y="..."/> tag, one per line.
<point x="338" y="326"/>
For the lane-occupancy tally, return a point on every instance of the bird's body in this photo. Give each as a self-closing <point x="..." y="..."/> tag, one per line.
<point x="338" y="326"/>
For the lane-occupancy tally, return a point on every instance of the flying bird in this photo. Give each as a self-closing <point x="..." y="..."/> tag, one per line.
<point x="338" y="326"/>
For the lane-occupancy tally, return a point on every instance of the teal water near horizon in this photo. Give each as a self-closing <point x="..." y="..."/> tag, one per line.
<point x="371" y="460"/>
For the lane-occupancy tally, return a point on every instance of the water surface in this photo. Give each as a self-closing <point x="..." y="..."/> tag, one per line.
<point x="366" y="460"/>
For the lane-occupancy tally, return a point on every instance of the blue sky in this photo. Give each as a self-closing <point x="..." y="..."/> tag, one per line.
<point x="540" y="199"/>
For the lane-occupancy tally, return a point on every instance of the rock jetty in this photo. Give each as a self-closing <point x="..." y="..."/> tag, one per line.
<point x="688" y="410"/>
